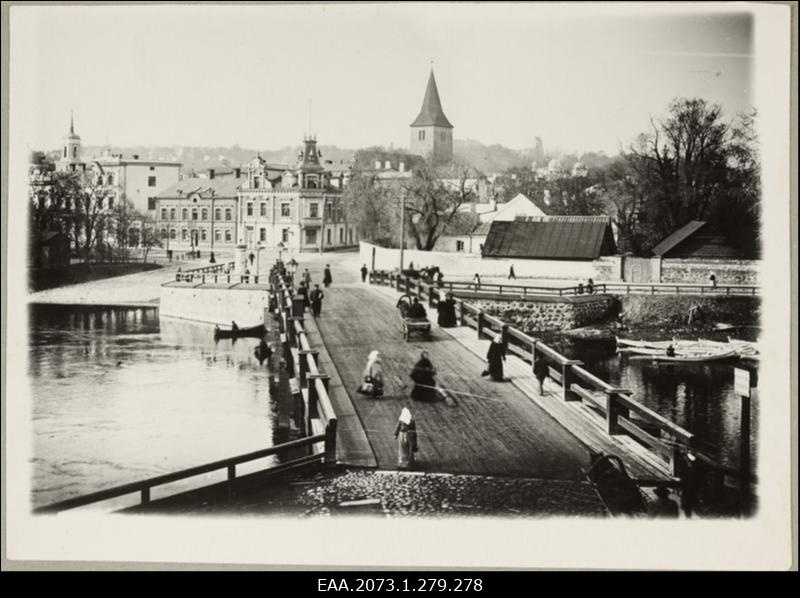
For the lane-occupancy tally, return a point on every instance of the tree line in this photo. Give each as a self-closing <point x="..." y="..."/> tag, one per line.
<point x="691" y="164"/>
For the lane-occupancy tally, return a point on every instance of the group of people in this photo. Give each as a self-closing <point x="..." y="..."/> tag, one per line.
<point x="313" y="297"/>
<point x="589" y="288"/>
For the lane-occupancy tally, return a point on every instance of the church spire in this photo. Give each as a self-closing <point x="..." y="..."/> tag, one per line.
<point x="71" y="122"/>
<point x="431" y="113"/>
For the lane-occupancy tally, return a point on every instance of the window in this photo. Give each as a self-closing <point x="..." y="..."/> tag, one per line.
<point x="110" y="179"/>
<point x="286" y="210"/>
<point x="313" y="210"/>
<point x="75" y="151"/>
<point x="311" y="236"/>
<point x="351" y="237"/>
<point x="262" y="236"/>
<point x="285" y="235"/>
<point x="100" y="179"/>
<point x="65" y="151"/>
<point x="163" y="213"/>
<point x="152" y="168"/>
<point x="183" y="234"/>
<point x="256" y="182"/>
<point x="163" y="233"/>
<point x="459" y="245"/>
<point x="329" y="237"/>
<point x="311" y="182"/>
<point x="249" y="208"/>
<point x="217" y="235"/>
<point x="172" y="233"/>
<point x="421" y="135"/>
<point x="204" y="214"/>
<point x="172" y="213"/>
<point x="227" y="236"/>
<point x="227" y="213"/>
<point x="194" y="214"/>
<point x="263" y="210"/>
<point x="338" y="214"/>
<point x="217" y="214"/>
<point x="110" y="203"/>
<point x="341" y="236"/>
<point x="151" y="181"/>
<point x="203" y="234"/>
<point x="184" y="214"/>
<point x="328" y="212"/>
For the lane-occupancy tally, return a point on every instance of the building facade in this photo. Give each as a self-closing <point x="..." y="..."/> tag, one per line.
<point x="300" y="208"/>
<point x="137" y="180"/>
<point x="431" y="132"/>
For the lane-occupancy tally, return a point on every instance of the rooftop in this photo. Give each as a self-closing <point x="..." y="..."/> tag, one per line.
<point x="431" y="113"/>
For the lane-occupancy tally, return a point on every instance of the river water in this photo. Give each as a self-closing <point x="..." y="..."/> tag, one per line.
<point x="119" y="394"/>
<point x="697" y="396"/>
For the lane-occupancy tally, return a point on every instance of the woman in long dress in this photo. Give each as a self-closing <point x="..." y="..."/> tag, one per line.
<point x="495" y="357"/>
<point x="327" y="279"/>
<point x="424" y="381"/>
<point x="447" y="312"/>
<point x="406" y="434"/>
<point x="373" y="373"/>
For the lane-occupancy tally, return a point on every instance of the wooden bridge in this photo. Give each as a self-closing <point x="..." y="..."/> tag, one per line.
<point x="482" y="427"/>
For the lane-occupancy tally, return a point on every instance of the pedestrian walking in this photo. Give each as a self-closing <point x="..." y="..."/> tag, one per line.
<point x="496" y="356"/>
<point x="440" y="279"/>
<point x="364" y="273"/>
<point x="307" y="278"/>
<point x="372" y="384"/>
<point x="316" y="298"/>
<point x="327" y="279"/>
<point x="713" y="280"/>
<point x="303" y="291"/>
<point x="447" y="311"/>
<point x="406" y="434"/>
<point x="540" y="371"/>
<point x="424" y="380"/>
<point x="476" y="280"/>
<point x="511" y="274"/>
<point x="251" y="257"/>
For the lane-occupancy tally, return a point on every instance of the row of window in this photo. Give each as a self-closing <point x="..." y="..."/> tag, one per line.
<point x="203" y="214"/>
<point x="201" y="235"/>
<point x="286" y="210"/>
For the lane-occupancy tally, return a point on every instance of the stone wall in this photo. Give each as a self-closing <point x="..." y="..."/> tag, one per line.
<point x="540" y="316"/>
<point x="698" y="271"/>
<point x="608" y="269"/>
<point x="644" y="310"/>
<point x="214" y="305"/>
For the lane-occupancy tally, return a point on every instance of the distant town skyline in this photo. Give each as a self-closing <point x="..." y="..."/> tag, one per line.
<point x="585" y="78"/>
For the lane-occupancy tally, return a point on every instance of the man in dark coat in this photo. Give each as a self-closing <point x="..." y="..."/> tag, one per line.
<point x="302" y="290"/>
<point x="327" y="279"/>
<point x="364" y="273"/>
<point x="496" y="356"/>
<point x="447" y="312"/>
<point x="424" y="381"/>
<point x="417" y="311"/>
<point x="316" y="300"/>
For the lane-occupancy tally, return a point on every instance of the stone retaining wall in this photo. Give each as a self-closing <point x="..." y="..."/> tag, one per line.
<point x="534" y="316"/>
<point x="698" y="271"/>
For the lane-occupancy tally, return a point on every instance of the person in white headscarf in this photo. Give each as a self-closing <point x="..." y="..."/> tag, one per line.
<point x="373" y="375"/>
<point x="406" y="434"/>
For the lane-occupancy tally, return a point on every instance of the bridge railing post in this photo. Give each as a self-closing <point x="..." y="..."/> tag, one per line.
<point x="504" y="334"/>
<point x="614" y="410"/>
<point x="460" y="313"/>
<point x="330" y="443"/>
<point x="303" y="353"/>
<point x="479" y="322"/>
<point x="567" y="378"/>
<point x="430" y="296"/>
<point x="408" y="285"/>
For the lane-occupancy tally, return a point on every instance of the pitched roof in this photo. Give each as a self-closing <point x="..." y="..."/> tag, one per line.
<point x="482" y="229"/>
<point x="431" y="112"/>
<point x="565" y="237"/>
<point x="225" y="186"/>
<point x="678" y="237"/>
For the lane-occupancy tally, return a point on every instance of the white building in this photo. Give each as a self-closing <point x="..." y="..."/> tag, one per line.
<point x="135" y="179"/>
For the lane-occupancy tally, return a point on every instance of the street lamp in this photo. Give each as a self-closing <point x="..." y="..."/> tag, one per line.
<point x="280" y="247"/>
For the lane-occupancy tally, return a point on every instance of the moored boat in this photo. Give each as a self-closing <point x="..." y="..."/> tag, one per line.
<point x="696" y="357"/>
<point x="250" y="331"/>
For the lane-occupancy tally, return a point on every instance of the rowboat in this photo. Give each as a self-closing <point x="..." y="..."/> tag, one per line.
<point x="696" y="357"/>
<point x="250" y="331"/>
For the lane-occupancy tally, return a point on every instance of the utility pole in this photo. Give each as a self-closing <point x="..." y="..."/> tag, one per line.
<point x="402" y="230"/>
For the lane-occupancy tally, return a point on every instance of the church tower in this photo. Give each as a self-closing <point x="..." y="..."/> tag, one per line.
<point x="70" y="159"/>
<point x="431" y="132"/>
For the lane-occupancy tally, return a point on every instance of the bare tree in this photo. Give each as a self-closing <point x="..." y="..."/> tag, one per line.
<point x="92" y="216"/>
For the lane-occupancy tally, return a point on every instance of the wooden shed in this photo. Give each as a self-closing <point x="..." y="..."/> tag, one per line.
<point x="697" y="239"/>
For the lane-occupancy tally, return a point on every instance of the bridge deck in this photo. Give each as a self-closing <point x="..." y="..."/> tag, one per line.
<point x="486" y="428"/>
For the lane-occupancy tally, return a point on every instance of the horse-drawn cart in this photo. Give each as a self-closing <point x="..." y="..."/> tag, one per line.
<point x="413" y="323"/>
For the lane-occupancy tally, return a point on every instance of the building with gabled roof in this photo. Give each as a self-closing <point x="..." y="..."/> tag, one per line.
<point x="696" y="239"/>
<point x="551" y="238"/>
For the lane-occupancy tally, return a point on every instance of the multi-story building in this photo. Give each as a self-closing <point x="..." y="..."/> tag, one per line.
<point x="300" y="207"/>
<point x="137" y="180"/>
<point x="199" y="213"/>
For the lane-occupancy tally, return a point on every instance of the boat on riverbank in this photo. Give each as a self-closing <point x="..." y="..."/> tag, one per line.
<point x="248" y="332"/>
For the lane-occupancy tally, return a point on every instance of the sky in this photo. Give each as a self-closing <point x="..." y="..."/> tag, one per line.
<point x="583" y="77"/>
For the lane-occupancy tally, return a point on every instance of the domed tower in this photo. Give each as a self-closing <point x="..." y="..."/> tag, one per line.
<point x="70" y="159"/>
<point x="431" y="132"/>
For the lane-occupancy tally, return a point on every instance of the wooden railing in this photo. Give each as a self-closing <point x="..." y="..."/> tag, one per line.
<point x="623" y="415"/>
<point x="218" y="274"/>
<point x="519" y="291"/>
<point x="302" y="362"/>
<point x="145" y="486"/>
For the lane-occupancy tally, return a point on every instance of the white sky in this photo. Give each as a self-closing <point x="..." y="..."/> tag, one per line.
<point x="582" y="77"/>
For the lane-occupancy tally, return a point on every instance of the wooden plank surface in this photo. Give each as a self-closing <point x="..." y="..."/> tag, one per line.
<point x="487" y="428"/>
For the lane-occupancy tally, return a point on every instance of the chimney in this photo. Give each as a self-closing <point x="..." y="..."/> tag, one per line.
<point x="210" y="173"/>
<point x="237" y="172"/>
<point x="401" y="167"/>
<point x="377" y="164"/>
<point x="387" y="165"/>
<point x="135" y="156"/>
